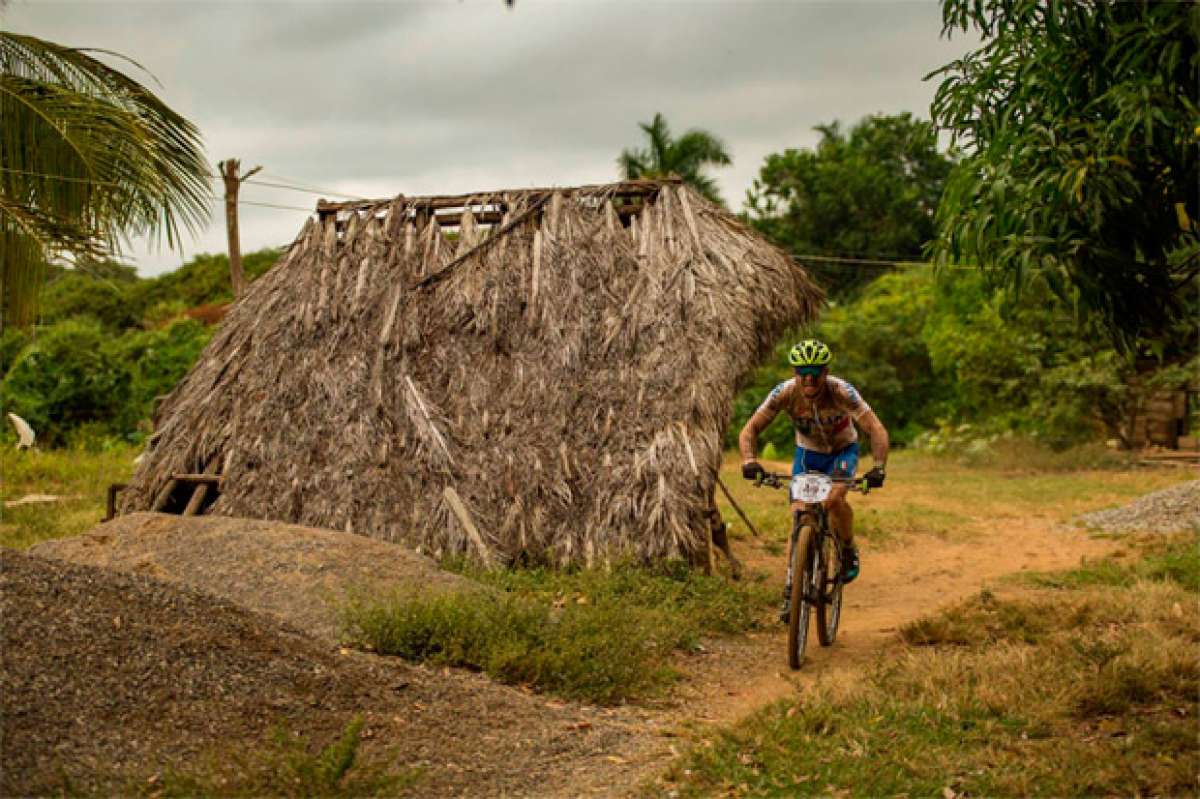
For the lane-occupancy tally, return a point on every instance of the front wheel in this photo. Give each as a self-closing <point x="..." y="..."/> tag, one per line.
<point x="829" y="581"/>
<point x="802" y="575"/>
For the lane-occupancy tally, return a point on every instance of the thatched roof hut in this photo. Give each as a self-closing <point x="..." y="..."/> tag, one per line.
<point x="545" y="372"/>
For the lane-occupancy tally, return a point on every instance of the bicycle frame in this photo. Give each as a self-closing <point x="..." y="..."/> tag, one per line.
<point x="818" y="588"/>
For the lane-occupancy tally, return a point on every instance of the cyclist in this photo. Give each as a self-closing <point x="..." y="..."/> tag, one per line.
<point x="824" y="410"/>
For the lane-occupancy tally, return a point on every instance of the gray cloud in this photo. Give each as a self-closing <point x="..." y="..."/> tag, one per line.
<point x="380" y="98"/>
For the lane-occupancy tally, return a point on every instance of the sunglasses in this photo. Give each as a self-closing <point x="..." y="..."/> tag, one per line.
<point x="810" y="371"/>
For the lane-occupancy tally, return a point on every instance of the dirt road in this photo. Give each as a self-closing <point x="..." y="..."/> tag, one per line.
<point x="903" y="578"/>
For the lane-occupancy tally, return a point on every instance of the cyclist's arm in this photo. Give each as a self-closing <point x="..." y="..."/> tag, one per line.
<point x="748" y="439"/>
<point x="869" y="423"/>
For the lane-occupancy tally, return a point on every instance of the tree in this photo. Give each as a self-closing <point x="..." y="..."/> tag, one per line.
<point x="686" y="157"/>
<point x="88" y="157"/>
<point x="1079" y="121"/>
<point x="871" y="193"/>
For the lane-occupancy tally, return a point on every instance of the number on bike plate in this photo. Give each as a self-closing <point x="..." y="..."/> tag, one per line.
<point x="811" y="487"/>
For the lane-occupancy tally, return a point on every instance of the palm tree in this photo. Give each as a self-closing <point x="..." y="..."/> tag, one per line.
<point x="88" y="158"/>
<point x="686" y="157"/>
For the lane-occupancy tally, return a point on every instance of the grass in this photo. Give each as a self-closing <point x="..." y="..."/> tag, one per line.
<point x="596" y="635"/>
<point x="287" y="766"/>
<point x="1086" y="688"/>
<point x="1173" y="558"/>
<point x="939" y="496"/>
<point x="885" y="527"/>
<point x="81" y="477"/>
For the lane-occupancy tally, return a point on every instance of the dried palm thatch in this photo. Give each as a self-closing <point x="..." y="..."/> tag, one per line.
<point x="555" y="385"/>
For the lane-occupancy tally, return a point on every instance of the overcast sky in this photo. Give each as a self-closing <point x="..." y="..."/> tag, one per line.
<point x="376" y="99"/>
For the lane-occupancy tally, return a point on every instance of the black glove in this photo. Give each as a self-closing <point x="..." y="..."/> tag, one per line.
<point x="874" y="477"/>
<point x="753" y="470"/>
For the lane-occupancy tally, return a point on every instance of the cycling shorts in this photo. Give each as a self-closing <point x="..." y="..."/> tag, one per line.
<point x="842" y="463"/>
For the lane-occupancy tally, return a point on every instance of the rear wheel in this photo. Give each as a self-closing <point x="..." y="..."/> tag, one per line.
<point x="802" y="576"/>
<point x="829" y="576"/>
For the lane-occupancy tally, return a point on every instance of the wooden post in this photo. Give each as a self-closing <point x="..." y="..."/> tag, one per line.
<point x="233" y="182"/>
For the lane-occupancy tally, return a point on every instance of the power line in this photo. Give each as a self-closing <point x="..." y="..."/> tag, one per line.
<point x="299" y="185"/>
<point x="69" y="179"/>
<point x="292" y="187"/>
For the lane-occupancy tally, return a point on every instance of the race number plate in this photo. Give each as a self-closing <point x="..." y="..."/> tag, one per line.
<point x="811" y="487"/>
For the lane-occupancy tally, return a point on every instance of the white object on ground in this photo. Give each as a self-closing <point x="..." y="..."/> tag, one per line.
<point x="24" y="431"/>
<point x="32" y="499"/>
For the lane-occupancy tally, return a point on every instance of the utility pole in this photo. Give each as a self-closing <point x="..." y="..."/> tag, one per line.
<point x="233" y="181"/>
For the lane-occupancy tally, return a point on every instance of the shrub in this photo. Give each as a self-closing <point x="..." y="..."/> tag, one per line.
<point x="66" y="377"/>
<point x="158" y="360"/>
<point x="602" y="636"/>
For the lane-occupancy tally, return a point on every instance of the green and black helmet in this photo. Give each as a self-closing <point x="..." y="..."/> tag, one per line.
<point x="810" y="352"/>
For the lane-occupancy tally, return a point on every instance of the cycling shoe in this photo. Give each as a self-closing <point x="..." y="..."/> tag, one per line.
<point x="849" y="563"/>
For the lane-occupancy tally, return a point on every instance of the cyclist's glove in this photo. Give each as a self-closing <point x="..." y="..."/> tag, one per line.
<point x="874" y="477"/>
<point x="753" y="470"/>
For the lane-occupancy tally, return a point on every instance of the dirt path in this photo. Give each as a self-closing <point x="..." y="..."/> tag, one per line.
<point x="901" y="581"/>
<point x="898" y="584"/>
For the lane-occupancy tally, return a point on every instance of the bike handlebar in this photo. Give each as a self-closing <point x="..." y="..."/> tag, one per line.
<point x="780" y="480"/>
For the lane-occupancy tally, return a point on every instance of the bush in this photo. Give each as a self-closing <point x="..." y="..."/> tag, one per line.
<point x="68" y="376"/>
<point x="158" y="360"/>
<point x="948" y="354"/>
<point x="602" y="636"/>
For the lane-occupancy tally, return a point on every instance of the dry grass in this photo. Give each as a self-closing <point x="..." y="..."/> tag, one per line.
<point x="1076" y="691"/>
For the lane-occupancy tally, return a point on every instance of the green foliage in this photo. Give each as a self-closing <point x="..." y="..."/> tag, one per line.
<point x="952" y="364"/>
<point x="129" y="345"/>
<point x="77" y="380"/>
<point x="1080" y="124"/>
<point x="871" y="192"/>
<point x="200" y="281"/>
<point x="685" y="157"/>
<point x="603" y="636"/>
<point x="68" y="376"/>
<point x="102" y="293"/>
<point x="12" y="341"/>
<point x="880" y="347"/>
<point x="91" y="156"/>
<point x="158" y="359"/>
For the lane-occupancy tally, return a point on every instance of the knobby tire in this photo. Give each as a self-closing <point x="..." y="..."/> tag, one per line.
<point x="829" y="605"/>
<point x="802" y="566"/>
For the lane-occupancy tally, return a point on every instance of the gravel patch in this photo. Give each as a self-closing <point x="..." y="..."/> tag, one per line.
<point x="298" y="574"/>
<point x="108" y="678"/>
<point x="1171" y="510"/>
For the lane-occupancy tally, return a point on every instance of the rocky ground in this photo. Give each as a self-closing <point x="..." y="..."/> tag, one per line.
<point x="109" y="679"/>
<point x="1171" y="510"/>
<point x="298" y="574"/>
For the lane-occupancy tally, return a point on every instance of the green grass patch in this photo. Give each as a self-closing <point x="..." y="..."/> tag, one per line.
<point x="79" y="476"/>
<point x="1084" y="689"/>
<point x="595" y="635"/>
<point x="1174" y="558"/>
<point x="288" y="766"/>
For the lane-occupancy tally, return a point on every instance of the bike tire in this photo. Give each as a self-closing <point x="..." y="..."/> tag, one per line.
<point x="829" y="607"/>
<point x="800" y="608"/>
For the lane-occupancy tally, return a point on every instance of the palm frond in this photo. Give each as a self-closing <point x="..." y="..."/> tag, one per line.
<point x="88" y="158"/>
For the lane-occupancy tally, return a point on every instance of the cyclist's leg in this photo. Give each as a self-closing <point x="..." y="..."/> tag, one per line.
<point x="841" y="516"/>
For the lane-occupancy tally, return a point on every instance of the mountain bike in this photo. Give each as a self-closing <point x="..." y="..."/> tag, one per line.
<point x="814" y="566"/>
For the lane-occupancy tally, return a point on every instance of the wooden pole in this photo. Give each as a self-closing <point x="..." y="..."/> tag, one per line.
<point x="233" y="182"/>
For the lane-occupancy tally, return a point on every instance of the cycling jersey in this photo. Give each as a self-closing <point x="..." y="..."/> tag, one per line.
<point x="823" y="424"/>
